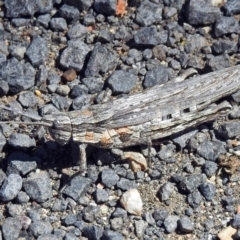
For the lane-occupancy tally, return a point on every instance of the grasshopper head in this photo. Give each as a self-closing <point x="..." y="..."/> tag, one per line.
<point x="61" y="128"/>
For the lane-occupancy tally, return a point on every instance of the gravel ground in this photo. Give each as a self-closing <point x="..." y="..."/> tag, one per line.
<point x="62" y="55"/>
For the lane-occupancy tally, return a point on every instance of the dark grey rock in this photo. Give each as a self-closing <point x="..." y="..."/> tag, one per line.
<point x="148" y="36"/>
<point x="69" y="13"/>
<point x="22" y="198"/>
<point x="20" y="140"/>
<point x="47" y="109"/>
<point x="39" y="228"/>
<point x="27" y="99"/>
<point x="77" y="31"/>
<point x="160" y="214"/>
<point x="90" y="213"/>
<point x="157" y="75"/>
<point x="16" y="9"/>
<point x="119" y="212"/>
<point x="166" y="151"/>
<point x="38" y="187"/>
<point x="195" y="42"/>
<point x="4" y="88"/>
<point x="101" y="61"/>
<point x="208" y="190"/>
<point x="93" y="232"/>
<point x="218" y="62"/>
<point x="116" y="223"/>
<point x="121" y="81"/>
<point x="230" y="129"/>
<point x="171" y="223"/>
<point x="81" y="102"/>
<point x="148" y="13"/>
<point x="37" y="52"/>
<point x="58" y="24"/>
<point x="19" y="83"/>
<point x="210" y="150"/>
<point x="210" y="168"/>
<point x="111" y="235"/>
<point x="74" y="55"/>
<point x="89" y="20"/>
<point x="224" y="46"/>
<point x="22" y="162"/>
<point x="70" y="236"/>
<point x="78" y="90"/>
<point x="42" y="75"/>
<point x="109" y="178"/>
<point x="100" y="196"/>
<point x="194" y="199"/>
<point x="148" y="217"/>
<point x="169" y="12"/>
<point x="226" y="25"/>
<point x="236" y="221"/>
<point x="44" y="20"/>
<point x="189" y="212"/>
<point x="53" y="78"/>
<point x="10" y="187"/>
<point x="11" y="68"/>
<point x="61" y="103"/>
<point x="77" y="187"/>
<point x="191" y="183"/>
<point x="20" y="22"/>
<point x="235" y="96"/>
<point x="60" y="205"/>
<point x="125" y="184"/>
<point x="185" y="225"/>
<point x="70" y="219"/>
<point x="14" y="210"/>
<point x="232" y="7"/>
<point x="93" y="84"/>
<point x="11" y="228"/>
<point x="105" y="36"/>
<point x="155" y="174"/>
<point x="202" y="12"/>
<point x="34" y="215"/>
<point x="166" y="191"/>
<point x="48" y="237"/>
<point x="107" y="7"/>
<point x="183" y="138"/>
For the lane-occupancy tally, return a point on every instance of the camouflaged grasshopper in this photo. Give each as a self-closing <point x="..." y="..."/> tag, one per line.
<point x="153" y="114"/>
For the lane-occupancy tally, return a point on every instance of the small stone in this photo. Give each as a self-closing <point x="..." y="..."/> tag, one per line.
<point x="14" y="210"/>
<point x="10" y="187"/>
<point x="210" y="150"/>
<point x="107" y="7"/>
<point x="230" y="129"/>
<point x="100" y="196"/>
<point x="77" y="31"/>
<point x="77" y="187"/>
<point x="208" y="190"/>
<point x="166" y="191"/>
<point x="38" y="187"/>
<point x="11" y="228"/>
<point x="18" y="52"/>
<point x="232" y="7"/>
<point x="3" y="88"/>
<point x="70" y="219"/>
<point x="19" y="140"/>
<point x="170" y="223"/>
<point x="69" y="75"/>
<point x="148" y="217"/>
<point x="226" y="25"/>
<point x="194" y="199"/>
<point x="210" y="168"/>
<point x="93" y="84"/>
<point x="140" y="227"/>
<point x="37" y="52"/>
<point x="185" y="225"/>
<point x="132" y="202"/>
<point x="109" y="177"/>
<point x="61" y="103"/>
<point x="236" y="221"/>
<point x="70" y="13"/>
<point x="90" y="213"/>
<point x="122" y="81"/>
<point x="191" y="183"/>
<point x="39" y="228"/>
<point x="93" y="232"/>
<point x="27" y="99"/>
<point x="160" y="214"/>
<point x="58" y="24"/>
<point x="125" y="184"/>
<point x="112" y="235"/>
<point x="22" y="198"/>
<point x="38" y="93"/>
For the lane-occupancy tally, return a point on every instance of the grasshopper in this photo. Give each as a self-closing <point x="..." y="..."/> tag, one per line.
<point x="153" y="114"/>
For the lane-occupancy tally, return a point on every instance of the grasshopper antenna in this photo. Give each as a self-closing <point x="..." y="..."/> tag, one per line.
<point x="16" y="111"/>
